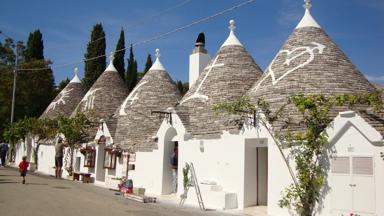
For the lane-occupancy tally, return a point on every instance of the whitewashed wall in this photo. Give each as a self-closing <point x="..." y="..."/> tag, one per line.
<point x="152" y="170"/>
<point x="46" y="159"/>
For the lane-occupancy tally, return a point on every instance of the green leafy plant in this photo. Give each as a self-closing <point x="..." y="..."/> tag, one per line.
<point x="185" y="176"/>
<point x="75" y="132"/>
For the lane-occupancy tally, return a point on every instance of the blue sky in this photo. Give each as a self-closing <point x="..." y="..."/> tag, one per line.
<point x="262" y="27"/>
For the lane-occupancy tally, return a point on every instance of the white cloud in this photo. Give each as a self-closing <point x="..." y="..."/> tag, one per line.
<point x="375" y="78"/>
<point x="290" y="13"/>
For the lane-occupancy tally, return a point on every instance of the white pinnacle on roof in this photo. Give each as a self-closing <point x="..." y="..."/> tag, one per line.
<point x="232" y="39"/>
<point x="75" y="79"/>
<point x="157" y="65"/>
<point x="111" y="67"/>
<point x="307" y="20"/>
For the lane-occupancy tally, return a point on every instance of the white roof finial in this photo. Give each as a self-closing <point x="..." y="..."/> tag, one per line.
<point x="157" y="53"/>
<point x="111" y="56"/>
<point x="75" y="78"/>
<point x="232" y="39"/>
<point x="307" y="20"/>
<point x="111" y="67"/>
<point x="157" y="65"/>
<point x="232" y="26"/>
<point x="307" y="4"/>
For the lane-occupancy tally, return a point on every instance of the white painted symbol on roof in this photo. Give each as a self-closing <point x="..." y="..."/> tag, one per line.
<point x="288" y="59"/>
<point x="132" y="97"/>
<point x="63" y="94"/>
<point x="197" y="94"/>
<point x="88" y="99"/>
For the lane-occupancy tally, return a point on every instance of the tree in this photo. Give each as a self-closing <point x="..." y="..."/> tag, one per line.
<point x="309" y="149"/>
<point x="118" y="61"/>
<point x="75" y="132"/>
<point x="40" y="130"/>
<point x="132" y="75"/>
<point x="33" y="103"/>
<point x="34" y="89"/>
<point x="7" y="62"/>
<point x="148" y="64"/>
<point x="183" y="87"/>
<point x="95" y="56"/>
<point x="13" y="133"/>
<point x="7" y="56"/>
<point x="35" y="47"/>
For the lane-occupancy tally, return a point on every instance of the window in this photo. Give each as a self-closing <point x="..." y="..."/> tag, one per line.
<point x="89" y="157"/>
<point x="362" y="165"/>
<point x="109" y="158"/>
<point x="340" y="165"/>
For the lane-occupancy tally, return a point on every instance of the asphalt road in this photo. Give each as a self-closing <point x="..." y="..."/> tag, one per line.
<point x="47" y="196"/>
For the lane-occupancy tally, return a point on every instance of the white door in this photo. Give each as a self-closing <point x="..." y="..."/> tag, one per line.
<point x="340" y="183"/>
<point x="363" y="184"/>
<point x="352" y="184"/>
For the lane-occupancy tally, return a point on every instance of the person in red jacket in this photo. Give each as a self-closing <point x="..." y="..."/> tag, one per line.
<point x="23" y="167"/>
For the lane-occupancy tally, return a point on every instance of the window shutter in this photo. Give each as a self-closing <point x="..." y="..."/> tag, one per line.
<point x="362" y="165"/>
<point x="340" y="165"/>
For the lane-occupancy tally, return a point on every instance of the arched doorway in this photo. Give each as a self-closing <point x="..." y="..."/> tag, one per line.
<point x="169" y="145"/>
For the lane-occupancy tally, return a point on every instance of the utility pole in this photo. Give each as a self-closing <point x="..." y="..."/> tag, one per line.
<point x="14" y="77"/>
<point x="14" y="83"/>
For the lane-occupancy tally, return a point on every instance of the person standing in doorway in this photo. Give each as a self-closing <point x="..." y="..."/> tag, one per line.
<point x="3" y="152"/>
<point x="59" y="152"/>
<point x="174" y="163"/>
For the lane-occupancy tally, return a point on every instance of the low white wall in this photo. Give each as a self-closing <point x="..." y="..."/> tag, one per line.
<point x="148" y="172"/>
<point x="218" y="160"/>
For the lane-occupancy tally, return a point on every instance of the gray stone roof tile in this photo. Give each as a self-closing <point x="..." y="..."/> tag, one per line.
<point x="226" y="78"/>
<point x="308" y="63"/>
<point x="135" y="124"/>
<point x="103" y="98"/>
<point x="65" y="102"/>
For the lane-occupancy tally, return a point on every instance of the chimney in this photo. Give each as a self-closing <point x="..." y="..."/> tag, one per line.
<point x="198" y="59"/>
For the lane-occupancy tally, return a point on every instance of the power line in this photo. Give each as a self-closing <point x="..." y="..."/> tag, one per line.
<point x="157" y="37"/>
<point x="145" y="19"/>
<point x="4" y="34"/>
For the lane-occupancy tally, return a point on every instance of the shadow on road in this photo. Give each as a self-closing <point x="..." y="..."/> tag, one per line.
<point x="9" y="182"/>
<point x="61" y="187"/>
<point x="36" y="183"/>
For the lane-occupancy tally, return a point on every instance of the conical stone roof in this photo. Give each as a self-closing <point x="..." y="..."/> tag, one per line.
<point x="226" y="78"/>
<point x="136" y="125"/>
<point x="66" y="101"/>
<point x="308" y="63"/>
<point x="105" y="95"/>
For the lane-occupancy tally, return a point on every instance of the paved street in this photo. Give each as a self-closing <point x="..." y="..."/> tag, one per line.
<point x="47" y="196"/>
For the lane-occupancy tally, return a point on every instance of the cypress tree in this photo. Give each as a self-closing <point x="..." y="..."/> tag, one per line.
<point x="96" y="47"/>
<point x="118" y="61"/>
<point x="36" y="88"/>
<point x="183" y="87"/>
<point x="148" y="64"/>
<point x="35" y="47"/>
<point x="131" y="71"/>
